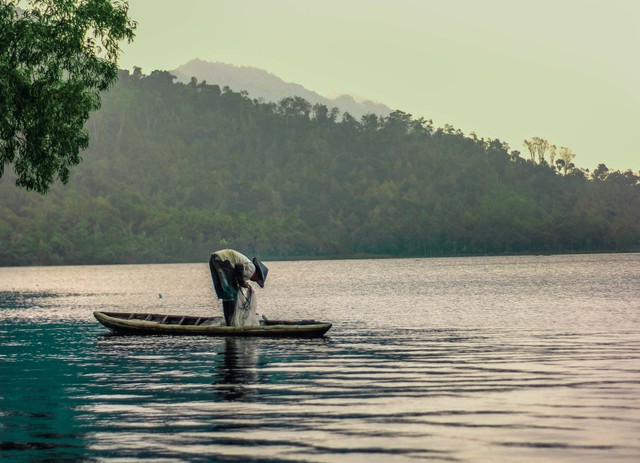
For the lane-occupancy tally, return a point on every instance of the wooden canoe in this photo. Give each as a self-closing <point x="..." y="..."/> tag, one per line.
<point x="149" y="323"/>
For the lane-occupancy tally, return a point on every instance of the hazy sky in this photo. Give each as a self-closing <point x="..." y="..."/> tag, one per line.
<point x="564" y="70"/>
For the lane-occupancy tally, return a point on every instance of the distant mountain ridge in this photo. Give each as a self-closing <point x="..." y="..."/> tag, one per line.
<point x="262" y="84"/>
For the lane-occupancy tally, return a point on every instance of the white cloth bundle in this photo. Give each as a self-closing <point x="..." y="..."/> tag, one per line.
<point x="246" y="306"/>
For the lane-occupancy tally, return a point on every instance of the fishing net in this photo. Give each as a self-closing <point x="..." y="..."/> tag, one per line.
<point x="246" y="306"/>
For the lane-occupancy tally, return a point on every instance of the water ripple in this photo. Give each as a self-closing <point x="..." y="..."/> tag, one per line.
<point x="529" y="385"/>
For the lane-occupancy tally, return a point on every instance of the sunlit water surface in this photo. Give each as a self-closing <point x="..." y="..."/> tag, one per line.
<point x="464" y="359"/>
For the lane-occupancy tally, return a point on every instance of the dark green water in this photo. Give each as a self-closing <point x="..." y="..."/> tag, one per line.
<point x="494" y="359"/>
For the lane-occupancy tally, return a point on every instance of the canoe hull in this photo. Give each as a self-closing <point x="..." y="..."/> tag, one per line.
<point x="159" y="324"/>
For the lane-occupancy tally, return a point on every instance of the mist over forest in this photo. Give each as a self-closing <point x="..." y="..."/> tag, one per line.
<point x="176" y="170"/>
<point x="265" y="86"/>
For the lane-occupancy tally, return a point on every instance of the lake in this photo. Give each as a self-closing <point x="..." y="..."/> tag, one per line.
<point x="461" y="359"/>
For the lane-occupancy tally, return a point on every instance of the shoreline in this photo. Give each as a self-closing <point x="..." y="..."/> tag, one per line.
<point x="362" y="256"/>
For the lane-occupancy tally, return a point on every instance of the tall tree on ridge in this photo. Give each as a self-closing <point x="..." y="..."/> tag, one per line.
<point x="55" y="59"/>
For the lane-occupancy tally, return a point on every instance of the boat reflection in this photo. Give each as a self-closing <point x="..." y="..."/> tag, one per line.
<point x="236" y="368"/>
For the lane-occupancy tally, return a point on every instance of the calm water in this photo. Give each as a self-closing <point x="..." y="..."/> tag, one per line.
<point x="467" y="359"/>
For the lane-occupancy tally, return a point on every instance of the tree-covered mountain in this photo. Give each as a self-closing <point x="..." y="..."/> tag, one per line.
<point x="261" y="84"/>
<point x="177" y="170"/>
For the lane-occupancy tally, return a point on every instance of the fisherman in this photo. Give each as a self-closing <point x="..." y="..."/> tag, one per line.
<point x="230" y="271"/>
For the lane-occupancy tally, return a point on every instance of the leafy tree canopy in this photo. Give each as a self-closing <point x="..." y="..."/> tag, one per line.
<point x="175" y="171"/>
<point x="55" y="58"/>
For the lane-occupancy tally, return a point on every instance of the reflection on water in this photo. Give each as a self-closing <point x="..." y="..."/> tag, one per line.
<point x="237" y="370"/>
<point x="479" y="360"/>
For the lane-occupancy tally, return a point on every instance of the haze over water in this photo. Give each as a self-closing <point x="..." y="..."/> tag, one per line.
<point x="460" y="359"/>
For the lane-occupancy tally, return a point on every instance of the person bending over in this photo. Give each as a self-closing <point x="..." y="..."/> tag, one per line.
<point x="231" y="270"/>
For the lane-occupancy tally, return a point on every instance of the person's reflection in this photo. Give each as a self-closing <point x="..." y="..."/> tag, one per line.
<point x="236" y="368"/>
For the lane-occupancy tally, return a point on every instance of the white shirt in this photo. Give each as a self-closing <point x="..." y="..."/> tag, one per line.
<point x="237" y="258"/>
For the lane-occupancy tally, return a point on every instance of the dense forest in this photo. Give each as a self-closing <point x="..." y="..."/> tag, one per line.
<point x="175" y="171"/>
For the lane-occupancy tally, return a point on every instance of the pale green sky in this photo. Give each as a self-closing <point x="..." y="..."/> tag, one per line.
<point x="564" y="70"/>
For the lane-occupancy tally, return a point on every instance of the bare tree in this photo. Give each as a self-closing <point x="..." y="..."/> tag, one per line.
<point x="553" y="152"/>
<point x="542" y="146"/>
<point x="530" y="144"/>
<point x="566" y="155"/>
<point x="537" y="148"/>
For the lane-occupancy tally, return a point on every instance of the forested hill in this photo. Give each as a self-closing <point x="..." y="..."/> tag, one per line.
<point x="176" y="171"/>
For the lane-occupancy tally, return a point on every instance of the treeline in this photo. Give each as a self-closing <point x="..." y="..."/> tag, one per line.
<point x="175" y="171"/>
